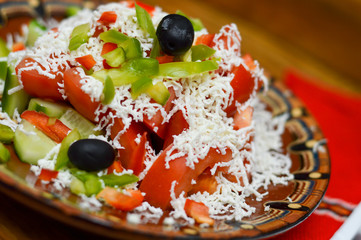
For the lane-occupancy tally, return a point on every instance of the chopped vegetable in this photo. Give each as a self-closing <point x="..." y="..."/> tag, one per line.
<point x="35" y="30"/>
<point x="145" y="21"/>
<point x="108" y="17"/>
<point x="198" y="211"/>
<point x="86" y="61"/>
<point x="4" y="154"/>
<point x="196" y="22"/>
<point x="108" y="90"/>
<point x="123" y="201"/>
<point x="113" y="36"/>
<point x="6" y="134"/>
<point x="201" y="52"/>
<point x="57" y="131"/>
<point x="18" y="46"/>
<point x="79" y="36"/>
<point x="115" y="57"/>
<point x="63" y="158"/>
<point x="186" y="69"/>
<point x="47" y="175"/>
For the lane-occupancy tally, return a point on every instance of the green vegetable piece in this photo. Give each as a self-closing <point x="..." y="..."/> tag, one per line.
<point x="77" y="187"/>
<point x="35" y="31"/>
<point x="130" y="71"/>
<point x="113" y="180"/>
<point x="72" y="119"/>
<point x="6" y="134"/>
<point x="51" y="109"/>
<point x="145" y="21"/>
<point x="159" y="93"/>
<point x="132" y="48"/>
<point x="140" y="86"/>
<point x="196" y="22"/>
<point x="4" y="51"/>
<point x="156" y="49"/>
<point x="113" y="36"/>
<point x="187" y="56"/>
<point x="186" y="69"/>
<point x="4" y="154"/>
<point x="115" y="58"/>
<point x="62" y="158"/>
<point x="72" y="11"/>
<point x="201" y="52"/>
<point x="3" y="70"/>
<point x="18" y="99"/>
<point x="108" y="90"/>
<point x="91" y="182"/>
<point x="79" y="36"/>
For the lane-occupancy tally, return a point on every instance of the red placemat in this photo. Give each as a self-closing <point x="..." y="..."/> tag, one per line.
<point x="339" y="116"/>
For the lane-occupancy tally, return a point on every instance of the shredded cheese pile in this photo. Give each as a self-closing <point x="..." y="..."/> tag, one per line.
<point x="201" y="98"/>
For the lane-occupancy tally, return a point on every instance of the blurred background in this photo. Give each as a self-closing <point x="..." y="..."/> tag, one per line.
<point x="319" y="38"/>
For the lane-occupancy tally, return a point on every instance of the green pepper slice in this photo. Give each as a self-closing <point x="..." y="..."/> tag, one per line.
<point x="79" y="36"/>
<point x="186" y="69"/>
<point x="201" y="52"/>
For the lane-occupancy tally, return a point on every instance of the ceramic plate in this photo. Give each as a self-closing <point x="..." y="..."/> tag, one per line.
<point x="288" y="205"/>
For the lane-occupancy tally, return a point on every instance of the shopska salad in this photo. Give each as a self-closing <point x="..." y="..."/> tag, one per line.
<point x="144" y="111"/>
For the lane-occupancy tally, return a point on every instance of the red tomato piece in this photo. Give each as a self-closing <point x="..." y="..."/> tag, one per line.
<point x="132" y="156"/>
<point x="116" y="166"/>
<point x="243" y="119"/>
<point x="108" y="17"/>
<point x="79" y="99"/>
<point x="206" y="182"/>
<point x="165" y="59"/>
<point x="36" y="84"/>
<point x="248" y="60"/>
<point x="148" y="8"/>
<point x="108" y="47"/>
<point x="156" y="122"/>
<point x="157" y="184"/>
<point x="57" y="131"/>
<point x="86" y="61"/>
<point x="122" y="201"/>
<point x="18" y="47"/>
<point x="206" y="39"/>
<point x="47" y="175"/>
<point x="177" y="124"/>
<point x="243" y="85"/>
<point x="199" y="211"/>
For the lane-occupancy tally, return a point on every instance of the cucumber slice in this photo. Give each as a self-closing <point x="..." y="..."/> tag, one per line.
<point x="18" y="100"/>
<point x="63" y="159"/>
<point x="6" y="134"/>
<point x="72" y="119"/>
<point x="77" y="187"/>
<point x="31" y="144"/>
<point x="35" y="30"/>
<point x="4" y="154"/>
<point x="51" y="109"/>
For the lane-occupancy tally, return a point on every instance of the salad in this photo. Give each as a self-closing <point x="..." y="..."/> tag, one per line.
<point x="146" y="112"/>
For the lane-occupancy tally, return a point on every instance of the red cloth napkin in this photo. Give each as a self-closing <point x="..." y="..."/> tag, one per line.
<point x="339" y="116"/>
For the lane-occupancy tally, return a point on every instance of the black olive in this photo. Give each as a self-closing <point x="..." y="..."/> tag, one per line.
<point x="175" y="34"/>
<point x="91" y="154"/>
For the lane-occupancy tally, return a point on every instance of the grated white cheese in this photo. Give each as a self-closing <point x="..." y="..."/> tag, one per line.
<point x="202" y="100"/>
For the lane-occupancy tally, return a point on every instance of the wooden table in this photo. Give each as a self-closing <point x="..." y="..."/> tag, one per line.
<point x="319" y="38"/>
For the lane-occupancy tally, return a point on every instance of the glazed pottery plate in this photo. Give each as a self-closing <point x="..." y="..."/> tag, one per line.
<point x="288" y="205"/>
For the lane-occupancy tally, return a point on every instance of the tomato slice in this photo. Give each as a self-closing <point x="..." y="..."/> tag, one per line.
<point x="47" y="175"/>
<point x="132" y="156"/>
<point x="243" y="85"/>
<point x="56" y="130"/>
<point x="122" y="201"/>
<point x="156" y="122"/>
<point x="199" y="211"/>
<point x="243" y="118"/>
<point x="18" y="47"/>
<point x="108" y="17"/>
<point x="157" y="184"/>
<point x="108" y="47"/>
<point x="206" y="39"/>
<point x="116" y="166"/>
<point x="165" y="59"/>
<point x="206" y="182"/>
<point x="177" y="124"/>
<point x="150" y="9"/>
<point x="36" y="84"/>
<point x="79" y="99"/>
<point x="86" y="61"/>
